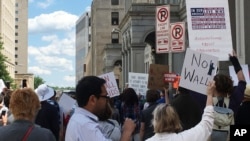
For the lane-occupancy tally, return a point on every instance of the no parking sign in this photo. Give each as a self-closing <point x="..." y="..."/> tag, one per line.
<point x="177" y="37"/>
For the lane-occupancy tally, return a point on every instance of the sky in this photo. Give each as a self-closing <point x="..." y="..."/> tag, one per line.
<point x="51" y="39"/>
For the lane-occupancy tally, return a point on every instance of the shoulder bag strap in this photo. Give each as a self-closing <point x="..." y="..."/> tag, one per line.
<point x="27" y="133"/>
<point x="226" y="101"/>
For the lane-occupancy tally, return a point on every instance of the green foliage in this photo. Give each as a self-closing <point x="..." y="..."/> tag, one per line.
<point x="4" y="74"/>
<point x="38" y="81"/>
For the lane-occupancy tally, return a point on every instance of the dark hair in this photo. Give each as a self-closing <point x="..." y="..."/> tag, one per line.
<point x="224" y="84"/>
<point x="106" y="114"/>
<point x="87" y="86"/>
<point x="183" y="90"/>
<point x="129" y="97"/>
<point x="152" y="95"/>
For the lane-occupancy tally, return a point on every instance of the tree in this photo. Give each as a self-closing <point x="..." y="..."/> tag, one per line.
<point x="4" y="74"/>
<point x="38" y="81"/>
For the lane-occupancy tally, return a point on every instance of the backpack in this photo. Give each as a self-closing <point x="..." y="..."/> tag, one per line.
<point x="223" y="116"/>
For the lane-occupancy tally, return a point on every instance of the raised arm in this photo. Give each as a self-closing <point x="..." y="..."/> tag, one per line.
<point x="237" y="67"/>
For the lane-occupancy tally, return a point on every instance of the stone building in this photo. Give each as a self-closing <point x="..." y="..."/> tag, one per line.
<point x="105" y="53"/>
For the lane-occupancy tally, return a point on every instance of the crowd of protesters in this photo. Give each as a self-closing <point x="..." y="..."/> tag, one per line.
<point x="28" y="114"/>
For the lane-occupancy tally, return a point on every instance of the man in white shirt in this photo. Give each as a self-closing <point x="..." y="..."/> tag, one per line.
<point x="92" y="98"/>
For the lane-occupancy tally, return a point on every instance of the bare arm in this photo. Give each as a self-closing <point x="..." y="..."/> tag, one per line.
<point x="142" y="130"/>
<point x="127" y="130"/>
<point x="210" y="93"/>
<point x="166" y="95"/>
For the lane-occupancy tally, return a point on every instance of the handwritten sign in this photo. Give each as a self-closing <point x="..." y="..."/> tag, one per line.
<point x="198" y="69"/>
<point x="209" y="28"/>
<point x="139" y="82"/>
<point x="156" y="76"/>
<point x="111" y="85"/>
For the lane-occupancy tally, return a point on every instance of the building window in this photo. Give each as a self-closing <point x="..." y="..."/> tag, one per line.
<point x="16" y="63"/>
<point x="16" y="34"/>
<point x="16" y="12"/>
<point x="114" y="37"/>
<point x="16" y="56"/>
<point x="84" y="68"/>
<point x="16" y="48"/>
<point x="16" y="41"/>
<point x="16" y="19"/>
<point x="114" y="2"/>
<point x="16" y="4"/>
<point x="114" y="18"/>
<point x="16" y="26"/>
<point x="89" y="37"/>
<point x="89" y="21"/>
<point x="16" y="71"/>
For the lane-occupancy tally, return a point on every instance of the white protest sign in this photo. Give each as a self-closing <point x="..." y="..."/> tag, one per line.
<point x="139" y="82"/>
<point x="234" y="76"/>
<point x="2" y="85"/>
<point x="198" y="69"/>
<point x="209" y="28"/>
<point x="162" y="28"/>
<point x="66" y="102"/>
<point x="111" y="85"/>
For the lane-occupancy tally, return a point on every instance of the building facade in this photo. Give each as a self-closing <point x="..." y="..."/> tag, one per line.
<point x="21" y="36"/>
<point x="82" y="42"/>
<point x="22" y="77"/>
<point x="7" y="33"/>
<point x="105" y="49"/>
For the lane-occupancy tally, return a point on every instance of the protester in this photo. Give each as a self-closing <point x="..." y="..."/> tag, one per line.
<point x="226" y="93"/>
<point x="24" y="104"/>
<point x="3" y="112"/>
<point x="146" y="129"/>
<point x="131" y="109"/>
<point x="47" y="116"/>
<point x="167" y="125"/>
<point x="92" y="98"/>
<point x="187" y="109"/>
<point x="243" y="115"/>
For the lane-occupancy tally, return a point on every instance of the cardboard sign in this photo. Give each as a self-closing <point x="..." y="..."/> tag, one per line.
<point x="156" y="76"/>
<point x="209" y="28"/>
<point x="139" y="82"/>
<point x="198" y="69"/>
<point x="234" y="75"/>
<point x="111" y="85"/>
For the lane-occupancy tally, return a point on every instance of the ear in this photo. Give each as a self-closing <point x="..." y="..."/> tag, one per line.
<point x="92" y="100"/>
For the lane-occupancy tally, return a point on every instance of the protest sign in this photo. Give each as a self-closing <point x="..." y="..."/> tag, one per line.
<point x="139" y="82"/>
<point x="234" y="76"/>
<point x="156" y="76"/>
<point x="209" y="29"/>
<point x="2" y="85"/>
<point x="67" y="103"/>
<point x="198" y="69"/>
<point x="111" y="85"/>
